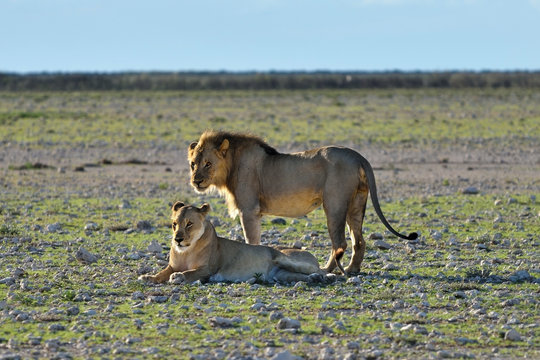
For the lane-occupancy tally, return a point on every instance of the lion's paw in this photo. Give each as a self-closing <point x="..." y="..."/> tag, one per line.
<point x="177" y="278"/>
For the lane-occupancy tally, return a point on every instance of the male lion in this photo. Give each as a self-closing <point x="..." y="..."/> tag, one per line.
<point x="197" y="253"/>
<point x="256" y="179"/>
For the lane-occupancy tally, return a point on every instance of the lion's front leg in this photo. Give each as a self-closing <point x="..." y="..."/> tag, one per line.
<point x="251" y="224"/>
<point x="160" y="277"/>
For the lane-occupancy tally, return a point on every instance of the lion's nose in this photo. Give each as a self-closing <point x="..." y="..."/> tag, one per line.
<point x="197" y="182"/>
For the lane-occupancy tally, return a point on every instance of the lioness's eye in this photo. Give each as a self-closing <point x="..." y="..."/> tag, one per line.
<point x="192" y="165"/>
<point x="208" y="164"/>
<point x="189" y="225"/>
<point x="174" y="226"/>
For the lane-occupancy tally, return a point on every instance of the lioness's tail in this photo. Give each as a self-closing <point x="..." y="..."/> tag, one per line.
<point x="375" y="200"/>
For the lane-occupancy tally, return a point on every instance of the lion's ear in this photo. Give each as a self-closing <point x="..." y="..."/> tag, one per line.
<point x="177" y="205"/>
<point x="224" y="147"/>
<point x="205" y="208"/>
<point x="192" y="147"/>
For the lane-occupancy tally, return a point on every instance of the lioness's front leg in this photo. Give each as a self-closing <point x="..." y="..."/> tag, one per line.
<point x="160" y="277"/>
<point x="251" y="224"/>
<point x="202" y="274"/>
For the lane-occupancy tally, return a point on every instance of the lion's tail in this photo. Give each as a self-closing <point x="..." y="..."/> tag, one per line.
<point x="375" y="200"/>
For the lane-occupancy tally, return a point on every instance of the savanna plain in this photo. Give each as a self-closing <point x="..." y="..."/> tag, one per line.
<point x="87" y="180"/>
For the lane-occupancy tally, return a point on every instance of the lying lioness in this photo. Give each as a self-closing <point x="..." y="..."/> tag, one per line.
<point x="197" y="253"/>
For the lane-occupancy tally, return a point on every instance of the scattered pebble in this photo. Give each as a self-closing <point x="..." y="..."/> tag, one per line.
<point x="471" y="190"/>
<point x="85" y="256"/>
<point x="53" y="228"/>
<point x="279" y="221"/>
<point x="288" y="323"/>
<point x="375" y="236"/>
<point x="221" y="322"/>
<point x="512" y="335"/>
<point x="124" y="205"/>
<point x="285" y="355"/>
<point x="91" y="226"/>
<point x="144" y="225"/>
<point x="56" y="327"/>
<point x="383" y="245"/>
<point x="72" y="311"/>
<point x="154" y="247"/>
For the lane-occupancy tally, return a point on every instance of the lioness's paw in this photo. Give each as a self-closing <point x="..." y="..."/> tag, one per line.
<point x="316" y="278"/>
<point x="177" y="278"/>
<point x="149" y="278"/>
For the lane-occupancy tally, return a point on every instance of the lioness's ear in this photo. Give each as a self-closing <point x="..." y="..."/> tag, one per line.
<point x="205" y="208"/>
<point x="177" y="205"/>
<point x="224" y="147"/>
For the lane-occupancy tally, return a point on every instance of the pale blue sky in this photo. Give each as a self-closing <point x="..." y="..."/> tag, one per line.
<point x="245" y="35"/>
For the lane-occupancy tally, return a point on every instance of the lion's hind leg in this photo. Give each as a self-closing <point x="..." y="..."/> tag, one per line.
<point x="355" y="218"/>
<point x="336" y="219"/>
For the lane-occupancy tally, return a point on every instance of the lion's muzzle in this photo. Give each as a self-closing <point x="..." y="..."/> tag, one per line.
<point x="197" y="184"/>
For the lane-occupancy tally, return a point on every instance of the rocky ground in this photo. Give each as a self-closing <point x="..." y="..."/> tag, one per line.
<point x="76" y="232"/>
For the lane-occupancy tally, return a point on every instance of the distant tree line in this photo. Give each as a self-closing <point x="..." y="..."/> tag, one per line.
<point x="266" y="80"/>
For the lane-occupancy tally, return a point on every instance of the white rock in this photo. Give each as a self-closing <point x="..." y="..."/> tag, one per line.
<point x="91" y="226"/>
<point x="407" y="327"/>
<point x="355" y="280"/>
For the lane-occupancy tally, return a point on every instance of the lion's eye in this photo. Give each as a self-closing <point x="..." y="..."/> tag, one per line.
<point x="189" y="224"/>
<point x="192" y="165"/>
<point x="208" y="164"/>
<point x="174" y="225"/>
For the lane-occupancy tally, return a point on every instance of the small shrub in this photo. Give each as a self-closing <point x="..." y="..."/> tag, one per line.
<point x="9" y="230"/>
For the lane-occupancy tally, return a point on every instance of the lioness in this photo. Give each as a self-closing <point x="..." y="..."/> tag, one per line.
<point x="256" y="179"/>
<point x="197" y="253"/>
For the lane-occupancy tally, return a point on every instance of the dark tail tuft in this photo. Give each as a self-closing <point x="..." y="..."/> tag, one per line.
<point x="412" y="236"/>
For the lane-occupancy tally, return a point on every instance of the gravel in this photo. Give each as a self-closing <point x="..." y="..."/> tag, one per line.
<point x="466" y="288"/>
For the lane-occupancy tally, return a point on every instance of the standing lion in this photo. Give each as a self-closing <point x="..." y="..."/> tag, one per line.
<point x="256" y="180"/>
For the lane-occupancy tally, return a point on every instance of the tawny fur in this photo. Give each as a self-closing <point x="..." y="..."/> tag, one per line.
<point x="197" y="253"/>
<point x="257" y="180"/>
